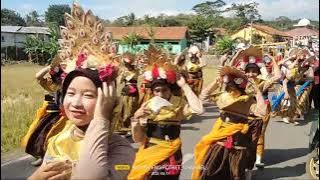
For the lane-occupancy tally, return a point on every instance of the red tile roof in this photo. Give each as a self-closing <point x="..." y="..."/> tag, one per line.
<point x="269" y="30"/>
<point x="161" y="33"/>
<point x="303" y="31"/>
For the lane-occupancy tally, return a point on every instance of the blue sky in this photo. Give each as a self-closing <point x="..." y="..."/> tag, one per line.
<point x="111" y="9"/>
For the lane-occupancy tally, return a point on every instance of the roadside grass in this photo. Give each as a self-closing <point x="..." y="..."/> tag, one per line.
<point x="210" y="74"/>
<point x="21" y="96"/>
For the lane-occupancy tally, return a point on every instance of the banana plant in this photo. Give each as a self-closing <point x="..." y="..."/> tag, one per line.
<point x="224" y="45"/>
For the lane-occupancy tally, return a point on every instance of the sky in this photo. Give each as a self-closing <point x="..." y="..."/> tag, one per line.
<point x="112" y="9"/>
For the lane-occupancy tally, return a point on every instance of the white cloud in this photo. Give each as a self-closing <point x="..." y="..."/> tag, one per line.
<point x="294" y="9"/>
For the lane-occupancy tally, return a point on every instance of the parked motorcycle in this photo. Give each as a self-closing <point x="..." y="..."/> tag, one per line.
<point x="312" y="165"/>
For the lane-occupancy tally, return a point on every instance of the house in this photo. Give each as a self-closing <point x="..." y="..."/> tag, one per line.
<point x="174" y="39"/>
<point x="14" y="37"/>
<point x="303" y="33"/>
<point x="267" y="33"/>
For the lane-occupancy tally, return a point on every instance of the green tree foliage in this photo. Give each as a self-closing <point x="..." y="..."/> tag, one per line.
<point x="209" y="8"/>
<point x="41" y="51"/>
<point x="128" y="20"/>
<point x="55" y="14"/>
<point x="33" y="19"/>
<point x="224" y="45"/>
<point x="256" y="39"/>
<point x="131" y="40"/>
<point x="12" y="18"/>
<point x="246" y="12"/>
<point x="200" y="28"/>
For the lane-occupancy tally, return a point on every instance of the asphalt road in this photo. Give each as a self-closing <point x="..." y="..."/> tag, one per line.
<point x="285" y="155"/>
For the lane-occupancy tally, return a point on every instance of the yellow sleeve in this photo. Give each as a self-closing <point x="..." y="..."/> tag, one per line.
<point x="48" y="84"/>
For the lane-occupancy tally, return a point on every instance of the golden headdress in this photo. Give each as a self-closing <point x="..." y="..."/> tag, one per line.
<point x="159" y="65"/>
<point x="231" y="73"/>
<point x="84" y="43"/>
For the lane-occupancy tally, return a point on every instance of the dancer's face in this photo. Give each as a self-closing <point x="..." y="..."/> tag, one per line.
<point x="80" y="100"/>
<point x="162" y="91"/>
<point x="252" y="73"/>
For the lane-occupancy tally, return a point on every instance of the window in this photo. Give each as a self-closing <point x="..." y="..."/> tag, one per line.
<point x="2" y="38"/>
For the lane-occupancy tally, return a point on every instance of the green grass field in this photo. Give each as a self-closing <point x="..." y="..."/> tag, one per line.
<point x="21" y="96"/>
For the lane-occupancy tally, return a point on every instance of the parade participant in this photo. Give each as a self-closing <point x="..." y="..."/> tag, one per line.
<point x="307" y="76"/>
<point x="47" y="114"/>
<point x="194" y="68"/>
<point x="145" y="88"/>
<point x="293" y="72"/>
<point x="129" y="95"/>
<point x="314" y="94"/>
<point x="223" y="153"/>
<point x="253" y="72"/>
<point x="86" y="147"/>
<point x="86" y="128"/>
<point x="156" y="125"/>
<point x="181" y="62"/>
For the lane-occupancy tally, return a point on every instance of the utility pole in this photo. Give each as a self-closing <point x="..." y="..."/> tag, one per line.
<point x="250" y="33"/>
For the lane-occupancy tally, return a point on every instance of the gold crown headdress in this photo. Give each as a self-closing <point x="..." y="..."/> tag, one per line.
<point x="84" y="43"/>
<point x="231" y="73"/>
<point x="159" y="65"/>
<point x="248" y="55"/>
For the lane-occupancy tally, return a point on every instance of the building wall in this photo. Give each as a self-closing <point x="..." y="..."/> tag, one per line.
<point x="174" y="47"/>
<point x="17" y="39"/>
<point x="7" y="39"/>
<point x="246" y="33"/>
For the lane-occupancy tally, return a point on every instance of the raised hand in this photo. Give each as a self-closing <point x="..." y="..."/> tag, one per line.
<point x="105" y="101"/>
<point x="181" y="81"/>
<point x="141" y="114"/>
<point x="53" y="170"/>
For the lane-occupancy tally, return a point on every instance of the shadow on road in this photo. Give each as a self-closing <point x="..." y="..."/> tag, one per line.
<point x="275" y="156"/>
<point x="280" y="172"/>
<point x="198" y="119"/>
<point x="190" y="128"/>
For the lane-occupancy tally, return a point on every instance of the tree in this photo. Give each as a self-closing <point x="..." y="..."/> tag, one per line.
<point x="131" y="40"/>
<point x="51" y="47"/>
<point x="12" y="18"/>
<point x="283" y="22"/>
<point x="199" y="28"/>
<point x="43" y="51"/>
<point x="256" y="39"/>
<point x="209" y="8"/>
<point x="32" y="19"/>
<point x="246" y="12"/>
<point x="55" y="14"/>
<point x="128" y="20"/>
<point x="224" y="45"/>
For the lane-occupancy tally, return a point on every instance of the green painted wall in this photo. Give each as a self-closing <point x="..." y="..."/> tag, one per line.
<point x="174" y="47"/>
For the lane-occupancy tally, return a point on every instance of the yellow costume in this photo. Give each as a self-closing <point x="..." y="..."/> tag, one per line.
<point x="263" y="85"/>
<point x="128" y="103"/>
<point x="64" y="145"/>
<point x="224" y="152"/>
<point x="195" y="80"/>
<point x="148" y="157"/>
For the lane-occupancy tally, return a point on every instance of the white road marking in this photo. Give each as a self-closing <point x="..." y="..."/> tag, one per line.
<point x="16" y="160"/>
<point x="187" y="157"/>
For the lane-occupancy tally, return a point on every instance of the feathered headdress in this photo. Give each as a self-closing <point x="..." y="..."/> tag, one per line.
<point x="158" y="65"/>
<point x="85" y="44"/>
